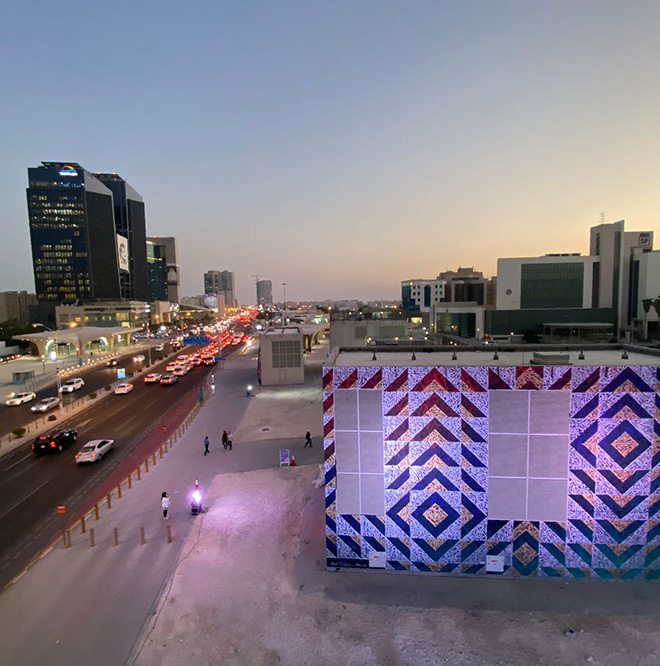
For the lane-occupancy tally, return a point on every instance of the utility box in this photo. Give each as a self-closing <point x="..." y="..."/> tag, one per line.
<point x="22" y="376"/>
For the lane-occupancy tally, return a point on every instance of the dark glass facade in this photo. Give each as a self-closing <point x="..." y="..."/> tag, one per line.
<point x="72" y="235"/>
<point x="130" y="223"/>
<point x="555" y="285"/>
<point x="157" y="272"/>
<point x="407" y="302"/>
<point x="463" y="324"/>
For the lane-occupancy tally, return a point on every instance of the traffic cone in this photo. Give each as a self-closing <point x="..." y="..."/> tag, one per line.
<point x="293" y="460"/>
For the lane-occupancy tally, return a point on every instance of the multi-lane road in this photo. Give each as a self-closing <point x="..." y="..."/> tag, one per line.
<point x="96" y="378"/>
<point x="31" y="487"/>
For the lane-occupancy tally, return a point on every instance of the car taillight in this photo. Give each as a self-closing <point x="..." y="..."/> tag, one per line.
<point x="52" y="445"/>
<point x="33" y="447"/>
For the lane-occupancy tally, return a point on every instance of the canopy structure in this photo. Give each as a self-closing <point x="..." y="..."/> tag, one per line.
<point x="80" y="338"/>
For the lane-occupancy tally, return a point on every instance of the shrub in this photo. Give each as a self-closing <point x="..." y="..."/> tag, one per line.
<point x="107" y="388"/>
<point x="19" y="432"/>
<point x="52" y="417"/>
<point x="92" y="395"/>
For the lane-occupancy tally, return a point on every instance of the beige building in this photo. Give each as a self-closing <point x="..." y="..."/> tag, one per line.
<point x="16" y="305"/>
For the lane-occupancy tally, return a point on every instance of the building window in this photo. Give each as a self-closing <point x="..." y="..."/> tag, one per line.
<point x="556" y="285"/>
<point x="287" y="354"/>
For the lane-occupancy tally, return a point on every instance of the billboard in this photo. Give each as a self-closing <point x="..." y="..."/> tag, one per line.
<point x="173" y="275"/>
<point x="122" y="252"/>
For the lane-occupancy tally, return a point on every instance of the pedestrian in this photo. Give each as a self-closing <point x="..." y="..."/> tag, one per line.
<point x="165" y="503"/>
<point x="229" y="444"/>
<point x="308" y="440"/>
<point x="206" y="444"/>
<point x="224" y="439"/>
<point x="200" y="394"/>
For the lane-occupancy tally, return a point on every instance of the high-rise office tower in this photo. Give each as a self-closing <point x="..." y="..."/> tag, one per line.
<point x="130" y="224"/>
<point x="264" y="292"/>
<point x="73" y="236"/>
<point x="156" y="272"/>
<point x="220" y="283"/>
<point x="168" y="251"/>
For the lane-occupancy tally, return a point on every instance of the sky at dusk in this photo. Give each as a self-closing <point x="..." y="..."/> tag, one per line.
<point x="343" y="146"/>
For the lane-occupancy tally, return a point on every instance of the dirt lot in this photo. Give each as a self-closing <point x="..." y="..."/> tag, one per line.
<point x="251" y="588"/>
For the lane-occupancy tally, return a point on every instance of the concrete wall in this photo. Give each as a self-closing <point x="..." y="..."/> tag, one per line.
<point x="354" y="333"/>
<point x="553" y="471"/>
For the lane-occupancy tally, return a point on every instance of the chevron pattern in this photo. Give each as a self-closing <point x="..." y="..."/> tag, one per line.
<point x="435" y="458"/>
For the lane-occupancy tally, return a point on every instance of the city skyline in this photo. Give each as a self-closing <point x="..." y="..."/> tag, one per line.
<point x="338" y="149"/>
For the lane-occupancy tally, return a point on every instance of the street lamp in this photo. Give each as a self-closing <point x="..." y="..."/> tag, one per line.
<point x="284" y="309"/>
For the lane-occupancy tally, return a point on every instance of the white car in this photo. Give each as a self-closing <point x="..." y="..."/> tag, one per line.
<point x="71" y="385"/>
<point x="94" y="450"/>
<point x="159" y="348"/>
<point x="180" y="370"/>
<point x="152" y="378"/>
<point x="139" y="358"/>
<point x="123" y="388"/>
<point x="46" y="404"/>
<point x="20" y="398"/>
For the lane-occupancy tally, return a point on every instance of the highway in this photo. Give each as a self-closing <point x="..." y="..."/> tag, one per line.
<point x="31" y="487"/>
<point x="95" y="378"/>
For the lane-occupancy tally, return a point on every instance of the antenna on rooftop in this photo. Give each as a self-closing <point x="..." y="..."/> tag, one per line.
<point x="602" y="217"/>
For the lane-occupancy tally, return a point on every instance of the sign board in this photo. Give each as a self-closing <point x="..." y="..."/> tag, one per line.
<point x="495" y="563"/>
<point x="196" y="340"/>
<point x="122" y="252"/>
<point x="219" y="358"/>
<point x="377" y="560"/>
<point x="121" y="373"/>
<point x="285" y="458"/>
<point x="60" y="509"/>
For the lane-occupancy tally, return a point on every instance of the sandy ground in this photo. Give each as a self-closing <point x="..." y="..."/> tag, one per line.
<point x="251" y="589"/>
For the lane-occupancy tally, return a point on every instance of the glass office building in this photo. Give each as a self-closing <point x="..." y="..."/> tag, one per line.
<point x="72" y="233"/>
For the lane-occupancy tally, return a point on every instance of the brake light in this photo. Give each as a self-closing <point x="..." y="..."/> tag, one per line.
<point x="52" y="445"/>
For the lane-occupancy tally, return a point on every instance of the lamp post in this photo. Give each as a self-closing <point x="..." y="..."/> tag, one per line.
<point x="284" y="309"/>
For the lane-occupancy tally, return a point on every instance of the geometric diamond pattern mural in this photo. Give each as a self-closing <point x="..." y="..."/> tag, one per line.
<point x="436" y="454"/>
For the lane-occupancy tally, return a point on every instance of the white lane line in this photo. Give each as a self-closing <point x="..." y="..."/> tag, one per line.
<point x="2" y="515"/>
<point x="18" y="462"/>
<point x="32" y="464"/>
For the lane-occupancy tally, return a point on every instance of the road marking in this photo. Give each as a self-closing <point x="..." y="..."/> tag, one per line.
<point x="6" y="469"/>
<point x="23" y="500"/>
<point x="32" y="464"/>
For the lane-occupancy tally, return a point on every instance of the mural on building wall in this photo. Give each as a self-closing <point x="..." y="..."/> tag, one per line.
<point x="555" y="469"/>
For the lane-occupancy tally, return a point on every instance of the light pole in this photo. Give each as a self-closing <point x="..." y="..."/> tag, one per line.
<point x="284" y="309"/>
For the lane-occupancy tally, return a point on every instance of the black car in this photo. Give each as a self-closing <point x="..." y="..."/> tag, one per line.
<point x="112" y="362"/>
<point x="54" y="442"/>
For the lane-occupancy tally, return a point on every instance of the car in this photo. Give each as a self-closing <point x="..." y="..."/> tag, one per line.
<point x="20" y="398"/>
<point x="123" y="388"/>
<point x="180" y="370"/>
<point x="94" y="450"/>
<point x="170" y="366"/>
<point x="71" y="385"/>
<point x="139" y="358"/>
<point x="168" y="380"/>
<point x="196" y="361"/>
<point x="209" y="360"/>
<point x="45" y="404"/>
<point x="183" y="358"/>
<point x="112" y="362"/>
<point x="152" y="378"/>
<point x="54" y="442"/>
<point x="159" y="348"/>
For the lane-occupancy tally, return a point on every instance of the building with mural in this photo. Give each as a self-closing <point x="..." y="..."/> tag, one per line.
<point x="504" y="464"/>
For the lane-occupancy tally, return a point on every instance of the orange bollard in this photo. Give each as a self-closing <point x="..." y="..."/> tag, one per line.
<point x="115" y="532"/>
<point x="142" y="539"/>
<point x="96" y="511"/>
<point x="169" y="534"/>
<point x="82" y="525"/>
<point x="130" y="481"/>
<point x="109" y="499"/>
<point x="92" y="543"/>
<point x="119" y="490"/>
<point x="138" y="473"/>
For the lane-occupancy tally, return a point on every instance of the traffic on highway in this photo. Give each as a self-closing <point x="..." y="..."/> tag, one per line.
<point x="50" y="470"/>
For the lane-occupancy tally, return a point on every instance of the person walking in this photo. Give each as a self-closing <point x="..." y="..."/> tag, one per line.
<point x="206" y="445"/>
<point x="165" y="503"/>
<point x="308" y="440"/>
<point x="224" y="439"/>
<point x="229" y="444"/>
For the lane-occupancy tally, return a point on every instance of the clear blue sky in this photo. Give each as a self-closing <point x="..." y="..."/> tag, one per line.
<point x="341" y="146"/>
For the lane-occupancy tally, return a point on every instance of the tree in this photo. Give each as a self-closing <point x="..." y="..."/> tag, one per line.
<point x="13" y="327"/>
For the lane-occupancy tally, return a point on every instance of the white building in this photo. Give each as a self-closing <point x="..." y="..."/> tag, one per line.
<point x="281" y="356"/>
